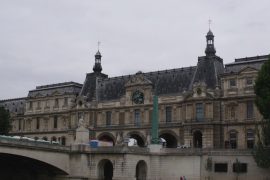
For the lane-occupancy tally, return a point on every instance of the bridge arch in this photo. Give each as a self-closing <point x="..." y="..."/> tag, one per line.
<point x="106" y="136"/>
<point x="140" y="138"/>
<point x="53" y="157"/>
<point x="170" y="137"/>
<point x="105" y="169"/>
<point x="27" y="168"/>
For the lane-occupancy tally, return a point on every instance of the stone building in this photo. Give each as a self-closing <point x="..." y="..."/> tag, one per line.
<point x="210" y="105"/>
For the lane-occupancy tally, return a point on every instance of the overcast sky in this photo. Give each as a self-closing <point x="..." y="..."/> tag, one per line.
<point x="51" y="41"/>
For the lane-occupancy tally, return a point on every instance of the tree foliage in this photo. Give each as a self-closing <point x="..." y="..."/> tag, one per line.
<point x="4" y="121"/>
<point x="262" y="91"/>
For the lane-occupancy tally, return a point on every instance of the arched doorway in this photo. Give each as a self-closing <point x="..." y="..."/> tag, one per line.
<point x="140" y="140"/>
<point x="170" y="140"/>
<point x="197" y="139"/>
<point x="63" y="140"/>
<point x="141" y="170"/>
<point x="107" y="137"/>
<point x="105" y="168"/>
<point x="53" y="139"/>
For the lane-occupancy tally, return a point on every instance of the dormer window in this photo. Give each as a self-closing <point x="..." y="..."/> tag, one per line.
<point x="249" y="81"/>
<point x="232" y="83"/>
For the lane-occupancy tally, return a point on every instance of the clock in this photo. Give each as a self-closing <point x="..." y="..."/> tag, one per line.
<point x="138" y="97"/>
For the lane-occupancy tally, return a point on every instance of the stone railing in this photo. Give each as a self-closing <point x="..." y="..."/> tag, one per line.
<point x="31" y="144"/>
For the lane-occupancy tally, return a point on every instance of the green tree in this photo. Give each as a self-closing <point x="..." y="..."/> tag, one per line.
<point x="262" y="91"/>
<point x="4" y="121"/>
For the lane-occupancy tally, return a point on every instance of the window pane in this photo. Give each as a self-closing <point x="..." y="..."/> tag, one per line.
<point x="249" y="81"/>
<point x="168" y="114"/>
<point x="108" y="118"/>
<point x="137" y="117"/>
<point x="221" y="167"/>
<point x="55" y="122"/>
<point x="199" y="112"/>
<point x="232" y="82"/>
<point x="250" y="113"/>
<point x="233" y="140"/>
<point x="240" y="167"/>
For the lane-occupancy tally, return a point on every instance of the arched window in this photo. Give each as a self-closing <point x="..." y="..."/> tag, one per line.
<point x="63" y="141"/>
<point x="233" y="139"/>
<point x="105" y="168"/>
<point x="141" y="170"/>
<point x="53" y="139"/>
<point x="250" y="139"/>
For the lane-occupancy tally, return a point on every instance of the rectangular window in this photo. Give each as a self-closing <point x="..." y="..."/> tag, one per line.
<point x="137" y="117"/>
<point x="168" y="114"/>
<point x="38" y="105"/>
<point x="221" y="167"/>
<point x="232" y="82"/>
<point x="108" y="118"/>
<point x="37" y="123"/>
<point x="65" y="101"/>
<point x="233" y="139"/>
<point x="240" y="167"/>
<point x="249" y="81"/>
<point x="121" y="118"/>
<point x="47" y="103"/>
<point x="20" y="124"/>
<point x="30" y="105"/>
<point x="250" y="139"/>
<point x="55" y="119"/>
<point x="250" y="113"/>
<point x="56" y="103"/>
<point x="199" y="112"/>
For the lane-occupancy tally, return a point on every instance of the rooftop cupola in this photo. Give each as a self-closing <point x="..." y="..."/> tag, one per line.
<point x="97" y="67"/>
<point x="210" y="48"/>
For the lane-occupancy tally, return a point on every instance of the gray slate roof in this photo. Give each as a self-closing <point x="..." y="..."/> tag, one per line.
<point x="254" y="62"/>
<point x="165" y="82"/>
<point x="14" y="105"/>
<point x="59" y="89"/>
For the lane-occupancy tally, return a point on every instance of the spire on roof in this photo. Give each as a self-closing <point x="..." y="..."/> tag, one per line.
<point x="97" y="67"/>
<point x="210" y="48"/>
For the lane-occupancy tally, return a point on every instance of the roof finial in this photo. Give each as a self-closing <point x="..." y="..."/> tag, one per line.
<point x="209" y="23"/>
<point x="98" y="43"/>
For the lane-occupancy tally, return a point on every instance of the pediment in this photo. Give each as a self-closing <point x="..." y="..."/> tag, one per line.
<point x="190" y="96"/>
<point x="138" y="80"/>
<point x="247" y="70"/>
<point x="38" y="95"/>
<point x="55" y="93"/>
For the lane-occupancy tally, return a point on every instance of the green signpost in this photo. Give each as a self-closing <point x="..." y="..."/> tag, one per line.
<point x="154" y="129"/>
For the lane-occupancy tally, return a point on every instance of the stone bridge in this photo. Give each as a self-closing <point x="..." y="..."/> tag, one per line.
<point x="21" y="159"/>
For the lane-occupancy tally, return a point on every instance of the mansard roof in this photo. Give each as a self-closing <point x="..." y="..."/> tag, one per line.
<point x="253" y="62"/>
<point x="14" y="105"/>
<point x="164" y="82"/>
<point x="55" y="89"/>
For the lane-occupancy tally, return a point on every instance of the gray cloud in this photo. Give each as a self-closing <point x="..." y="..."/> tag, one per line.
<point x="50" y="41"/>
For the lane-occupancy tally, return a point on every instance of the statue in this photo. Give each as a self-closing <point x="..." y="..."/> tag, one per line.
<point x="81" y="123"/>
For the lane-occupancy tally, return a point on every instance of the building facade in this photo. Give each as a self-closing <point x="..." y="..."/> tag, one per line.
<point x="210" y="105"/>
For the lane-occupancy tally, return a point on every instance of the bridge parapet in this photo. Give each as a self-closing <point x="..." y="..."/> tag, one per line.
<point x="32" y="144"/>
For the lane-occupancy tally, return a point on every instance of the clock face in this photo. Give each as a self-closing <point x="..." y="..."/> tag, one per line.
<point x="137" y="97"/>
